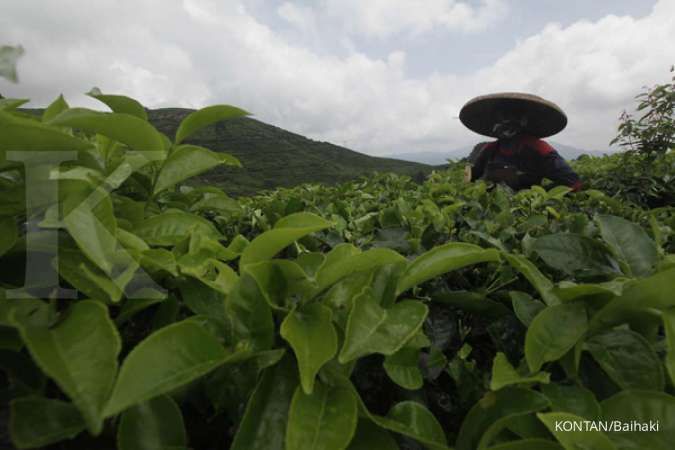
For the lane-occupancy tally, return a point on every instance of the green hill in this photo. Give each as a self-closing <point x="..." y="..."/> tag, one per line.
<point x="273" y="157"/>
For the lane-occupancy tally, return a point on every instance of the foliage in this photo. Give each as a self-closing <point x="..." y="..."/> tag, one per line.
<point x="646" y="180"/>
<point x="654" y="131"/>
<point x="377" y="313"/>
<point x="8" y="58"/>
<point x="643" y="174"/>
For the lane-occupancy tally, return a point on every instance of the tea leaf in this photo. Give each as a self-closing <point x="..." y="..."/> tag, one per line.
<point x="156" y="424"/>
<point x="120" y="104"/>
<point x="628" y="359"/>
<point x="80" y="355"/>
<point x="373" y="329"/>
<point x="165" y="360"/>
<point x="38" y="422"/>
<point x="197" y="120"/>
<point x="186" y="161"/>
<point x="130" y="130"/>
<point x="574" y="439"/>
<point x="267" y="412"/>
<point x="323" y="420"/>
<point x="630" y="243"/>
<point x="443" y="259"/>
<point x="553" y="332"/>
<point x="312" y="337"/>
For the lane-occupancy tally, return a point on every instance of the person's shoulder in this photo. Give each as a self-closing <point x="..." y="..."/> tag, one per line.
<point x="480" y="148"/>
<point x="540" y="146"/>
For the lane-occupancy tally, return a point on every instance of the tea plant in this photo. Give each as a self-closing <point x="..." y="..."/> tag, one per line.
<point x="378" y="313"/>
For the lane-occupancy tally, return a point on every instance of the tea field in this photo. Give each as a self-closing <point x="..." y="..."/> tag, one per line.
<point x="142" y="312"/>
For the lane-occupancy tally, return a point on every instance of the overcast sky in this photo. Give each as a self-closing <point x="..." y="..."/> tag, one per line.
<point x="378" y="76"/>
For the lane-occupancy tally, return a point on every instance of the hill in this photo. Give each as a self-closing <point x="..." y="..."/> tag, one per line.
<point x="438" y="158"/>
<point x="273" y="157"/>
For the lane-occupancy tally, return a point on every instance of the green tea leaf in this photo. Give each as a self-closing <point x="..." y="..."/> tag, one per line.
<point x="414" y="420"/>
<point x="643" y="407"/>
<point x="285" y="232"/>
<point x="310" y="332"/>
<point x="492" y="412"/>
<point x="159" y="259"/>
<point x="87" y="278"/>
<point x="120" y="103"/>
<point x="334" y="270"/>
<point x="24" y="135"/>
<point x="323" y="420"/>
<point x="573" y="439"/>
<point x="165" y="360"/>
<point x="156" y="424"/>
<point x="340" y="296"/>
<point x="443" y="259"/>
<point x="249" y="316"/>
<point x="553" y="332"/>
<point x="201" y="299"/>
<point x="525" y="307"/>
<point x="199" y="119"/>
<point x="187" y="161"/>
<point x="403" y="368"/>
<point x="384" y="283"/>
<point x="373" y="329"/>
<point x="11" y="104"/>
<point x="220" y="202"/>
<point x="280" y="281"/>
<point x="55" y="108"/>
<point x="213" y="273"/>
<point x="230" y="387"/>
<point x="628" y="359"/>
<point x="265" y="420"/>
<point x="38" y="422"/>
<point x="127" y="129"/>
<point x="80" y="355"/>
<point x="575" y="255"/>
<point x="91" y="223"/>
<point x="542" y="284"/>
<point x="503" y="374"/>
<point x="170" y="228"/>
<point x="634" y="304"/>
<point x="572" y="399"/>
<point x="630" y="243"/>
<point x="568" y="291"/>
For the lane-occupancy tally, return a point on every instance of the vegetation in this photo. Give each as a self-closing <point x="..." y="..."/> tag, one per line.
<point x="654" y="131"/>
<point x="272" y="157"/>
<point x="377" y="313"/>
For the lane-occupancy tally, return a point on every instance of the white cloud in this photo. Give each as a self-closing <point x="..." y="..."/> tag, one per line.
<point x="592" y="69"/>
<point x="198" y="52"/>
<point x="384" y="18"/>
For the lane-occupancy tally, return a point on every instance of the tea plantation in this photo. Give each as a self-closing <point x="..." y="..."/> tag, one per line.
<point x="141" y="312"/>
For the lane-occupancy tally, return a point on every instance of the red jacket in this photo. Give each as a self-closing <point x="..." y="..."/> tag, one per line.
<point x="532" y="159"/>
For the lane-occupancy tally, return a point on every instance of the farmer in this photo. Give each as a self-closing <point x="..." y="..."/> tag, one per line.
<point x="518" y="158"/>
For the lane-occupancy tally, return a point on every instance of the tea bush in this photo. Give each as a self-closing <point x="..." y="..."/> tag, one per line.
<point x="139" y="313"/>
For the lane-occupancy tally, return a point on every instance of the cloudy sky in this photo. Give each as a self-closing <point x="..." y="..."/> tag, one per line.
<point x="378" y="76"/>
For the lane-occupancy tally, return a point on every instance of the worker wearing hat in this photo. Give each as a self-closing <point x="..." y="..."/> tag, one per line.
<point x="519" y="157"/>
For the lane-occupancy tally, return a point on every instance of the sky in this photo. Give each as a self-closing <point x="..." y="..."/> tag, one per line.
<point x="378" y="76"/>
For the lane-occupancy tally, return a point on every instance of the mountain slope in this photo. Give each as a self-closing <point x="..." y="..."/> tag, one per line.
<point x="273" y="157"/>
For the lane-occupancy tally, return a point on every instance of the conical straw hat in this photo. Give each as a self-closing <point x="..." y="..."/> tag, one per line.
<point x="544" y="118"/>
